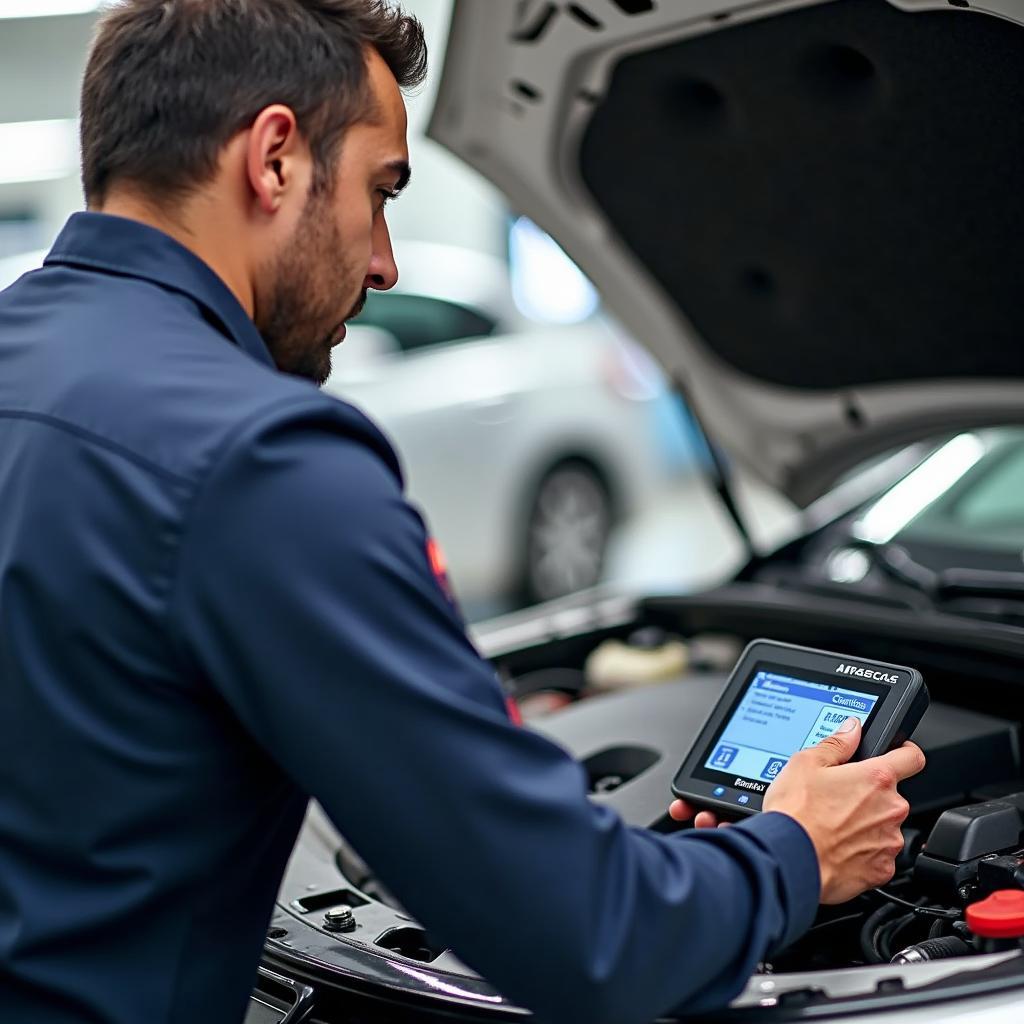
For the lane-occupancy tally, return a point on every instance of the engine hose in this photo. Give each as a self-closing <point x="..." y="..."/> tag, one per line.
<point x="937" y="928"/>
<point x="869" y="929"/>
<point x="932" y="949"/>
<point x="890" y="941"/>
<point x="880" y="940"/>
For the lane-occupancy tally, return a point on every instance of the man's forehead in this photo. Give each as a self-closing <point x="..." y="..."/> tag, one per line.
<point x="388" y="101"/>
<point x="388" y="121"/>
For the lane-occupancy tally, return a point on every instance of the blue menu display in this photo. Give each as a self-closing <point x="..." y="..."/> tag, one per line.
<point x="779" y="715"/>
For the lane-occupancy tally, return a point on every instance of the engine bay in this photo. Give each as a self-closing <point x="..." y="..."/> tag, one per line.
<point x="625" y="686"/>
<point x="963" y="840"/>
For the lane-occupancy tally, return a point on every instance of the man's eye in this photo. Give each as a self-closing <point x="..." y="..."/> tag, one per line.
<point x="386" y="195"/>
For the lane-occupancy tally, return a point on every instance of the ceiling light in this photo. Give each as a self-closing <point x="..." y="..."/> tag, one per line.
<point x="38" y="150"/>
<point x="915" y="492"/>
<point x="546" y="284"/>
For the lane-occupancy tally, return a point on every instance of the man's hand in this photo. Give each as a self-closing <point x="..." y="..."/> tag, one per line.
<point x="852" y="812"/>
<point x="680" y="810"/>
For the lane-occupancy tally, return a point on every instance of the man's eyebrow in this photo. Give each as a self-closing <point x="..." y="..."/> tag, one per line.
<point x="404" y="172"/>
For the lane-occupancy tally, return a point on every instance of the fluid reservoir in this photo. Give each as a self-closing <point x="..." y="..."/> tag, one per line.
<point x="997" y="922"/>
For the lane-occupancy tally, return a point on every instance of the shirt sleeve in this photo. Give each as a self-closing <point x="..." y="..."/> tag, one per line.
<point x="305" y="596"/>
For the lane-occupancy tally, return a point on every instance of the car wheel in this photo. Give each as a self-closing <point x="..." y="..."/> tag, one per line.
<point x="567" y="532"/>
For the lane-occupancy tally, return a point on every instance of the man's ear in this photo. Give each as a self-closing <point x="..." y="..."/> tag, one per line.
<point x="275" y="157"/>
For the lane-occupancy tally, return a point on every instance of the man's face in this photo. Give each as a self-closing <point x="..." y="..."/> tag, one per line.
<point x="340" y="246"/>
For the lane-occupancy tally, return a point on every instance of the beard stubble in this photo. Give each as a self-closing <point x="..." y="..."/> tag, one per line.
<point x="300" y="317"/>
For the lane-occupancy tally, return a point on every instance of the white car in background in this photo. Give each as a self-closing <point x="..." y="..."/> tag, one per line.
<point x="524" y="443"/>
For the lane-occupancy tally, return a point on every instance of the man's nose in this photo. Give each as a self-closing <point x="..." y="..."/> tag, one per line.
<point x="382" y="273"/>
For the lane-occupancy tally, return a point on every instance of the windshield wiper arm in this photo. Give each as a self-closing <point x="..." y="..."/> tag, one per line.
<point x="897" y="564"/>
<point x="946" y="584"/>
<point x="981" y="583"/>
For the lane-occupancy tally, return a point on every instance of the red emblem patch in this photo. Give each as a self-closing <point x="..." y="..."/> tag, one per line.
<point x="439" y="567"/>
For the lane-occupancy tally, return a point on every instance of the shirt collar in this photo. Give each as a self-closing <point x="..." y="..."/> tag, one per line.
<point x="99" y="241"/>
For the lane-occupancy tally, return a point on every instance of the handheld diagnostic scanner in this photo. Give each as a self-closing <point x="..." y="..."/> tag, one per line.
<point x="781" y="699"/>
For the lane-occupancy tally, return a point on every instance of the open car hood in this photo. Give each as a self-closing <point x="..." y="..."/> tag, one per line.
<point x="812" y="213"/>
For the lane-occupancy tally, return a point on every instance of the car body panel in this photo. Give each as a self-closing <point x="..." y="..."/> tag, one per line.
<point x="541" y="74"/>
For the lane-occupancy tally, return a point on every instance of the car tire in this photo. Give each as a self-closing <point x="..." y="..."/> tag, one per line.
<point x="567" y="529"/>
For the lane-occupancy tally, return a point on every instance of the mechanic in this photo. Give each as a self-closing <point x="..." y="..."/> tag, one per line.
<point x="215" y="601"/>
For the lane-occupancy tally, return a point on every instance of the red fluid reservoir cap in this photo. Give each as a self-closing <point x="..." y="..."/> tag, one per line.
<point x="1001" y="916"/>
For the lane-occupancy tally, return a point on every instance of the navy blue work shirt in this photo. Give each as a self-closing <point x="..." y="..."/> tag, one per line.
<point x="208" y="574"/>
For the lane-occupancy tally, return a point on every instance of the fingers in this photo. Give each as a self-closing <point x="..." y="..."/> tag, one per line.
<point x="841" y="745"/>
<point x="681" y="810"/>
<point x="903" y="762"/>
<point x="705" y="820"/>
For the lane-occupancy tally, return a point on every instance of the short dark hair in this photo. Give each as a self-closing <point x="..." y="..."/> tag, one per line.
<point x="170" y="82"/>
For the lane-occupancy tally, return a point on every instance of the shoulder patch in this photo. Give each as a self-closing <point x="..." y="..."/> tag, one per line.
<point x="439" y="567"/>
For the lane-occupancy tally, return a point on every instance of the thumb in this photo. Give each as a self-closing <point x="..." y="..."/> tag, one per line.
<point x="841" y="745"/>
